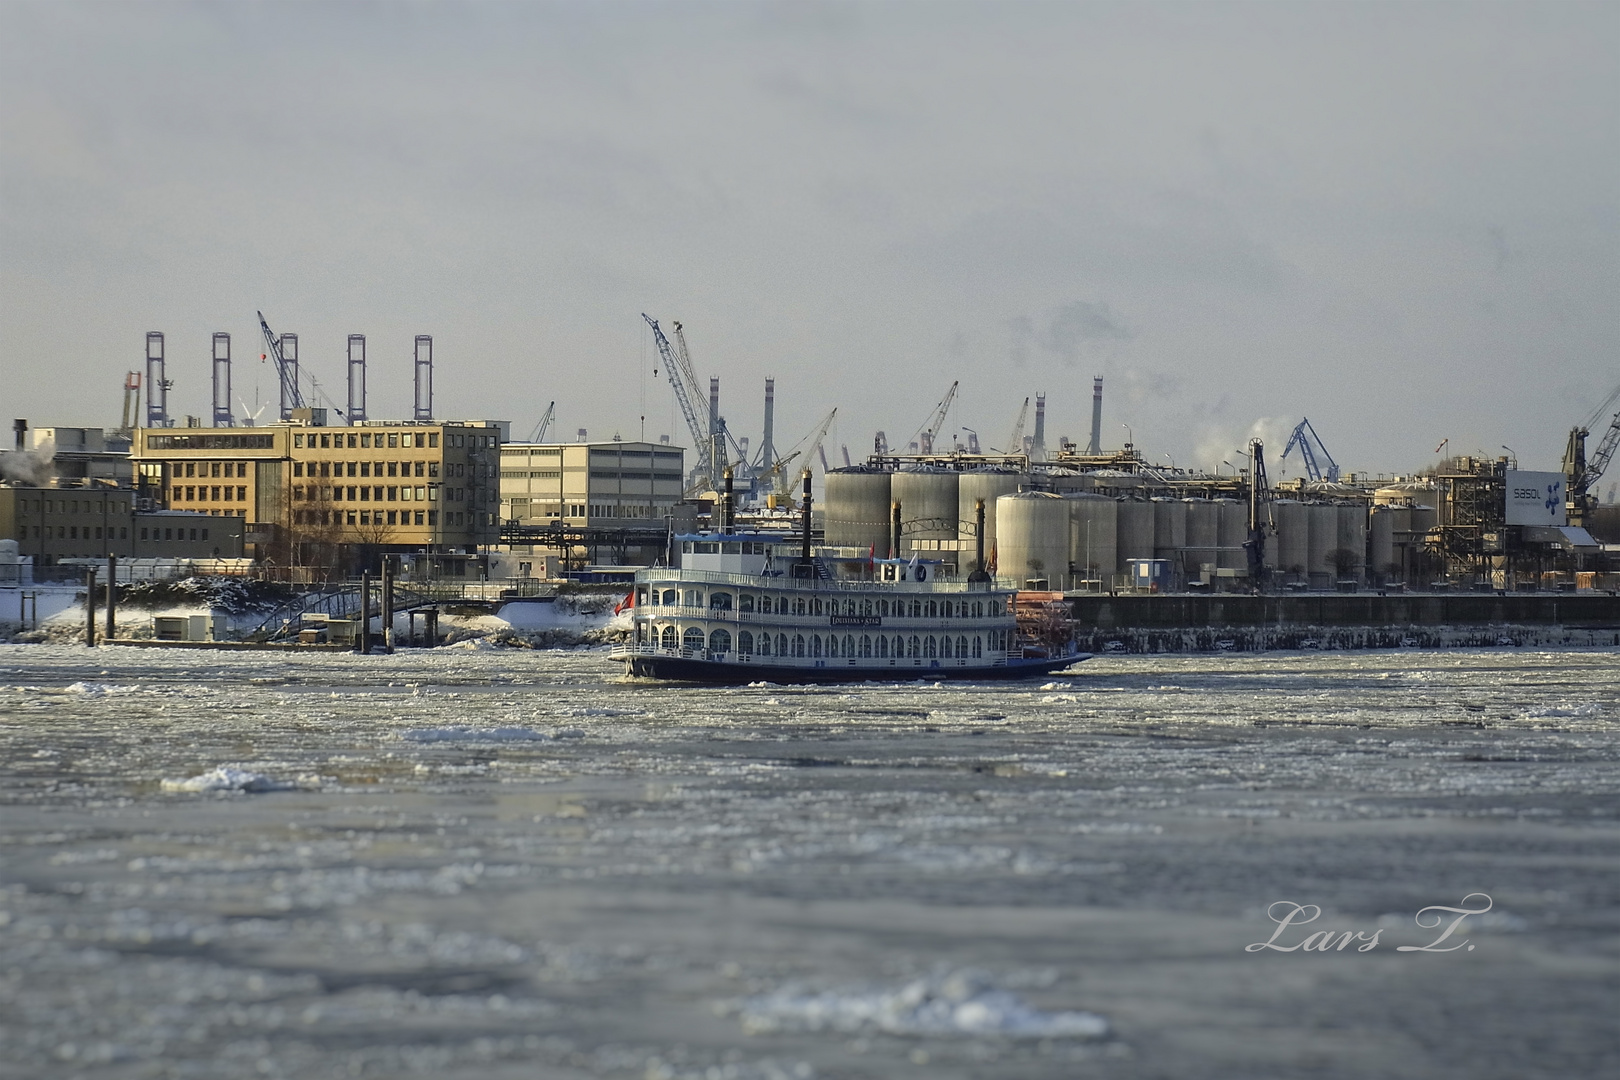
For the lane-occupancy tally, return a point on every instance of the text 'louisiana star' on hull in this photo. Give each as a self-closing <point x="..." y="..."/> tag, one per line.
<point x="747" y="607"/>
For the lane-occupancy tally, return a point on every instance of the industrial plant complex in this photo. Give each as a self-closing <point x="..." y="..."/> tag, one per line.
<point x="324" y="493"/>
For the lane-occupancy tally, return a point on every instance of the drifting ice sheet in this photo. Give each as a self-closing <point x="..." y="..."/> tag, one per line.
<point x="959" y="1003"/>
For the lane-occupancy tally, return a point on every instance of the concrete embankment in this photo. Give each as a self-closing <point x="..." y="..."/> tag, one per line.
<point x="1190" y="623"/>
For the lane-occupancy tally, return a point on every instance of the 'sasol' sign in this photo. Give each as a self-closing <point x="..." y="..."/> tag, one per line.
<point x="1535" y="498"/>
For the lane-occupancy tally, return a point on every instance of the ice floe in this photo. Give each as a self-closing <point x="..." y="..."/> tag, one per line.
<point x="955" y="1003"/>
<point x="229" y="778"/>
<point x="470" y="734"/>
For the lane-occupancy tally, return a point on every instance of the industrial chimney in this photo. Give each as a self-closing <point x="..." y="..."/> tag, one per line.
<point x="1039" y="449"/>
<point x="157" y="387"/>
<point x="1096" y="416"/>
<point x="767" y="455"/>
<point x="357" y="378"/>
<point x="222" y="380"/>
<point x="424" y="377"/>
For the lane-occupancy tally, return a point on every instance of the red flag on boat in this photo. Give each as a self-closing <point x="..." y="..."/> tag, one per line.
<point x="629" y="601"/>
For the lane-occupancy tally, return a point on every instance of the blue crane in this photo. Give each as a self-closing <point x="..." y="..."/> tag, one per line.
<point x="1310" y="448"/>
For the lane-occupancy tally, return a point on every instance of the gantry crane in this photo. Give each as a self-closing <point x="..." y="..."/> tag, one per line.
<point x="1582" y="475"/>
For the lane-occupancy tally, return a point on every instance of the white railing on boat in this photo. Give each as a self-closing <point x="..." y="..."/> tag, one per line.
<point x="797" y="584"/>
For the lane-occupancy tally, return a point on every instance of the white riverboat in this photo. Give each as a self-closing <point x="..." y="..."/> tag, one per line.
<point x="748" y="607"/>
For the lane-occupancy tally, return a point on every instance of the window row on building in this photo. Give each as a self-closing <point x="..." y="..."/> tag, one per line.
<point x="209" y="493"/>
<point x="374" y="468"/>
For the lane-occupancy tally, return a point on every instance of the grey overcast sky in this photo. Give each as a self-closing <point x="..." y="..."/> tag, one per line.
<point x="1399" y="220"/>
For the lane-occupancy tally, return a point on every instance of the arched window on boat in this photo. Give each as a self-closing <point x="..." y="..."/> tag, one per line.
<point x="978" y="647"/>
<point x="866" y="608"/>
<point x="720" y="641"/>
<point x="694" y="598"/>
<point x="693" y="639"/>
<point x="883" y="607"/>
<point x="849" y="645"/>
<point x="799" y="606"/>
<point x="930" y="648"/>
<point x="798" y="644"/>
<point x="815" y="605"/>
<point x="745" y="602"/>
<point x="815" y="645"/>
<point x="720" y="601"/>
<point x="832" y="644"/>
<point x="745" y="642"/>
<point x="914" y="648"/>
<point x="933" y="609"/>
<point x="916" y="609"/>
<point x="670" y="597"/>
<point x="781" y="646"/>
<point x="961" y="648"/>
<point x="978" y="609"/>
<point x="763" y="647"/>
<point x="670" y="639"/>
<point x="866" y="644"/>
<point x="883" y="647"/>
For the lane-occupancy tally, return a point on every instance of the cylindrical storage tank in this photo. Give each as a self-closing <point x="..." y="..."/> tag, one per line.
<point x="857" y="508"/>
<point x="1203" y="537"/>
<point x="989" y="485"/>
<point x="1293" y="538"/>
<point x="1324" y="537"/>
<point x="928" y="505"/>
<point x="1094" y="538"/>
<point x="1352" y="539"/>
<point x="1135" y="538"/>
<point x="1063" y="481"/>
<point x="1232" y="529"/>
<point x="1381" y="541"/>
<point x="1169" y="528"/>
<point x="1032" y="538"/>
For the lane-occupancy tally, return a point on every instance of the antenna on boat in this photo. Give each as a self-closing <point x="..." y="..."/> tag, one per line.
<point x="804" y="568"/>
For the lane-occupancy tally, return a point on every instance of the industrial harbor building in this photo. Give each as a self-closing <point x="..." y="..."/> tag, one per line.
<point x="317" y="497"/>
<point x="591" y="484"/>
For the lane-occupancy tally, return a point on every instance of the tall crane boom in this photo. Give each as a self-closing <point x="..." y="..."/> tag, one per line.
<point x="930" y="431"/>
<point x="1015" y="441"/>
<point x="1303" y="437"/>
<point x="545" y="422"/>
<point x="1581" y="474"/>
<point x="291" y="398"/>
<point x="679" y="369"/>
<point x="809" y="446"/>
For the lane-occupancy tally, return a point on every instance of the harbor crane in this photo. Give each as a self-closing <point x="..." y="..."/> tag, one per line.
<point x="1581" y="475"/>
<point x="777" y="476"/>
<point x="286" y="373"/>
<point x="539" y="434"/>
<point x="930" y="431"/>
<point x="132" y="401"/>
<point x="1015" y="441"/>
<point x="679" y="369"/>
<point x="1304" y="437"/>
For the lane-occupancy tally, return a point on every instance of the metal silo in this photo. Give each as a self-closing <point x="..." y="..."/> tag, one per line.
<point x="1032" y="538"/>
<point x="1169" y="529"/>
<point x="1352" y="539"/>
<point x="1094" y="537"/>
<point x="1203" y="536"/>
<point x="1324" y="537"/>
<point x="1381" y="525"/>
<point x="928" y="506"/>
<point x="989" y="485"/>
<point x="1232" y="529"/>
<point x="857" y="505"/>
<point x="1136" y="532"/>
<point x="1293" y="538"/>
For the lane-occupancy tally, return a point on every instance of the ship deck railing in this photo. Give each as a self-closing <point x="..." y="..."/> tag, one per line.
<point x="811" y="584"/>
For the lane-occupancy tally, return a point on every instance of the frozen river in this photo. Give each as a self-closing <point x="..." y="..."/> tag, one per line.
<point x="508" y="863"/>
